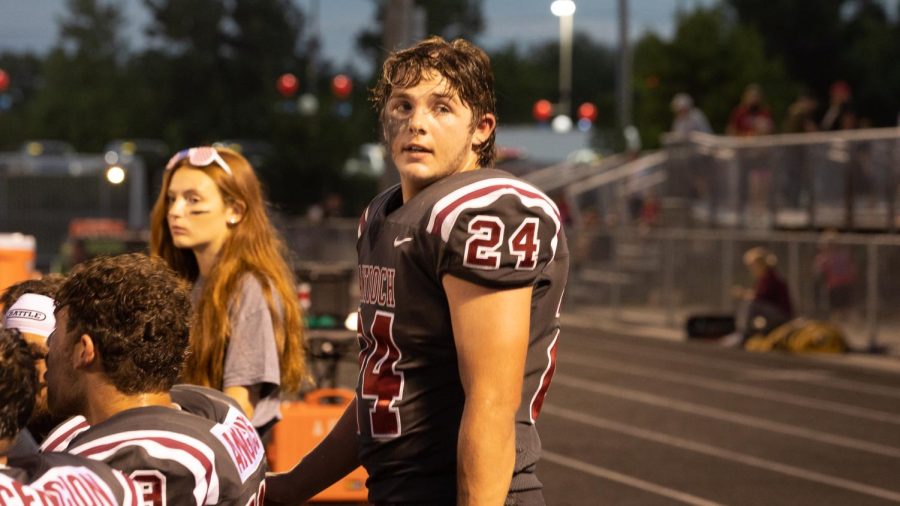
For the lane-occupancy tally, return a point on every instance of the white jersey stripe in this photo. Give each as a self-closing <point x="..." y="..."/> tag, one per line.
<point x="541" y="387"/>
<point x="163" y="445"/>
<point x="460" y="193"/>
<point x="487" y="200"/>
<point x="60" y="437"/>
<point x="459" y="198"/>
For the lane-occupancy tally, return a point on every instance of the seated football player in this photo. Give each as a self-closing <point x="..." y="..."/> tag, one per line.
<point x="54" y="478"/>
<point x="29" y="309"/>
<point x="118" y="348"/>
<point x="214" y="405"/>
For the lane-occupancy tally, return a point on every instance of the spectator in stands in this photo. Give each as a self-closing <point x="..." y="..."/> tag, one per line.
<point x="840" y="115"/>
<point x="751" y="116"/>
<point x="210" y="225"/>
<point x="120" y="343"/>
<point x="801" y="115"/>
<point x="688" y="117"/>
<point x="30" y="311"/>
<point x="768" y="304"/>
<point x="795" y="172"/>
<point x="836" y="276"/>
<point x="53" y="478"/>
<point x="650" y="209"/>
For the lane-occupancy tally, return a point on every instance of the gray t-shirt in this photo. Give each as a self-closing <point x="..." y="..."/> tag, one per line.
<point x="251" y="358"/>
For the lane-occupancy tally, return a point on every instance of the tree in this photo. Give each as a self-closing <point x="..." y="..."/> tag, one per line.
<point x="829" y="40"/>
<point x="446" y="18"/>
<point x="711" y="57"/>
<point x="83" y="98"/>
<point x="24" y="71"/>
<point x="225" y="58"/>
<point x="870" y="50"/>
<point x="521" y="77"/>
<point x="805" y="35"/>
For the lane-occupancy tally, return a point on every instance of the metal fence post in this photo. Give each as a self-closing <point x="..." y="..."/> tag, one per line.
<point x="669" y="278"/>
<point x="616" y="292"/>
<point x="727" y="272"/>
<point x="872" y="295"/>
<point x="137" y="196"/>
<point x="794" y="267"/>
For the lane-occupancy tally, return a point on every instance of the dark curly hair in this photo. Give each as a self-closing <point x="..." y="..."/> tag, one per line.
<point x="46" y="286"/>
<point x="18" y="383"/>
<point x="464" y="65"/>
<point x="137" y="311"/>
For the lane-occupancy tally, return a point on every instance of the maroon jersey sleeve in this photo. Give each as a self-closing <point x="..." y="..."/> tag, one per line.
<point x="498" y="232"/>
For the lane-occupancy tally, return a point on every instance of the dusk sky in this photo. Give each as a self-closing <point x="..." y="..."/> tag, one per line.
<point x="31" y="24"/>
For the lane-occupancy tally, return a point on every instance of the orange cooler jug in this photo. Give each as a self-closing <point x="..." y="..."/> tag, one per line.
<point x="303" y="425"/>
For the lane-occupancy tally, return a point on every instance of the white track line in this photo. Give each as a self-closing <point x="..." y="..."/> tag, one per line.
<point x="769" y="465"/>
<point x="608" y="474"/>
<point x="734" y="388"/>
<point x="727" y="416"/>
<point x="722" y="363"/>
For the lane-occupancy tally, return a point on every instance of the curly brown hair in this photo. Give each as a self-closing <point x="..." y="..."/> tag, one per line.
<point x="137" y="311"/>
<point x="46" y="286"/>
<point x="18" y="383"/>
<point x="466" y="68"/>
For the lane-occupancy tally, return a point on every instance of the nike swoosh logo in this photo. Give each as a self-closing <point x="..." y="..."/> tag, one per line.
<point x="398" y="241"/>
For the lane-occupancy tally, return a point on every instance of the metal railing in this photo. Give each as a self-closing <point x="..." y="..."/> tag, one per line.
<point x="845" y="179"/>
<point x="676" y="272"/>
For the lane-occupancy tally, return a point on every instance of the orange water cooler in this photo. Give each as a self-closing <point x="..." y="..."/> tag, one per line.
<point x="17" y="254"/>
<point x="303" y="425"/>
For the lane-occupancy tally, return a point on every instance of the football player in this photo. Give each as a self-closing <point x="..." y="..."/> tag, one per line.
<point x="29" y="309"/>
<point x="214" y="405"/>
<point x="45" y="478"/>
<point x="461" y="274"/>
<point x="118" y="348"/>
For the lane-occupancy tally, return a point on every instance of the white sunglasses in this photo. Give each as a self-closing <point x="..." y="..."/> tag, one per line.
<point x="199" y="157"/>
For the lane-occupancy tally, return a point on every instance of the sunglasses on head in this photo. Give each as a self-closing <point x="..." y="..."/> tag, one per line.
<point x="199" y="157"/>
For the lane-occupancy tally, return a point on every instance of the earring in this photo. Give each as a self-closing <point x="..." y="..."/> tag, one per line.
<point x="232" y="221"/>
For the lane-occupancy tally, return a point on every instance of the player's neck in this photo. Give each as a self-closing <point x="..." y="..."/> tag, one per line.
<point x="409" y="190"/>
<point x="107" y="401"/>
<point x="5" y="446"/>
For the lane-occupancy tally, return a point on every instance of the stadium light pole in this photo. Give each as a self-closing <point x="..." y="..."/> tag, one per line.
<point x="564" y="10"/>
<point x="623" y="83"/>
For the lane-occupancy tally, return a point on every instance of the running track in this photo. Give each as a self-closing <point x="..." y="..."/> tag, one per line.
<point x="642" y="421"/>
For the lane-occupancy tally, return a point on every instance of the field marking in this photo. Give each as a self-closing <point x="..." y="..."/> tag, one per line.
<point x="724" y="415"/>
<point x="733" y="388"/>
<point x="685" y="444"/>
<point x="631" y="481"/>
<point x="722" y="363"/>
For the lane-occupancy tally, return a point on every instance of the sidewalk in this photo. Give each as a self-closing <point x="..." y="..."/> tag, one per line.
<point x="657" y="324"/>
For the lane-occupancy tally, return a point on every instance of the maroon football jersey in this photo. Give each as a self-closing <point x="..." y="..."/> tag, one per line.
<point x="58" y="478"/>
<point x="201" y="401"/>
<point x="483" y="226"/>
<point x="179" y="458"/>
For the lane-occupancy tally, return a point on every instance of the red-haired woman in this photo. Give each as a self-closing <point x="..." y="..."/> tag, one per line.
<point x="209" y="223"/>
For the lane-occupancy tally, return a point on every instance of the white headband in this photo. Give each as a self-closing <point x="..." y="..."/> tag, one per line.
<point x="32" y="313"/>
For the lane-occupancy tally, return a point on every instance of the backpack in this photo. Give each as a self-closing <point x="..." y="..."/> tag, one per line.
<point x="801" y="335"/>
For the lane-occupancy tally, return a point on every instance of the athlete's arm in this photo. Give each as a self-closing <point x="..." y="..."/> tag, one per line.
<point x="490" y="328"/>
<point x="327" y="463"/>
<point x="246" y="397"/>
